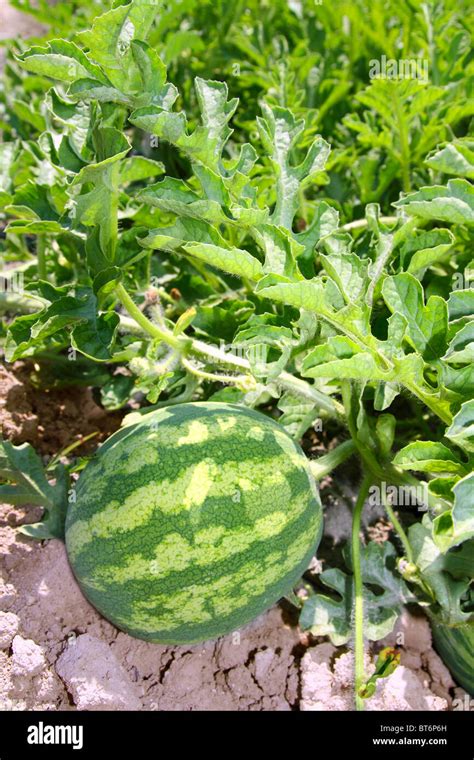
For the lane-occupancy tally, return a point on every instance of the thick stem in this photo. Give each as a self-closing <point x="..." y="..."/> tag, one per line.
<point x="359" y="592"/>
<point x="211" y="353"/>
<point x="290" y="383"/>
<point x="238" y="380"/>
<point x="324" y="465"/>
<point x="399" y="530"/>
<point x="356" y="561"/>
<point x="287" y="381"/>
<point x="156" y="332"/>
<point x="360" y="223"/>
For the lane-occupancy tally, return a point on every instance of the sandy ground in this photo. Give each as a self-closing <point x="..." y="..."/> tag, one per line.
<point x="58" y="653"/>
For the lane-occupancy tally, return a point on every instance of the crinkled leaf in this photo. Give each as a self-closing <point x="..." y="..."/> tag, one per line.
<point x="222" y="320"/>
<point x="155" y="89"/>
<point x="235" y="261"/>
<point x="280" y="131"/>
<point x="268" y="345"/>
<point x="184" y="230"/>
<point x="432" y="565"/>
<point x="426" y="325"/>
<point x="461" y="304"/>
<point x="281" y="251"/>
<point x="424" y="249"/>
<point x="175" y="196"/>
<point x="457" y="525"/>
<point x="427" y="456"/>
<point x="326" y="616"/>
<point x="453" y="203"/>
<point x="206" y="143"/>
<point x="454" y="158"/>
<point x="92" y="333"/>
<point x="33" y="202"/>
<point x="110" y="40"/>
<point x="116" y="393"/>
<point x="461" y="347"/>
<point x="138" y="168"/>
<point x="324" y="222"/>
<point x="349" y="272"/>
<point x="98" y="207"/>
<point x="93" y="89"/>
<point x="298" y="414"/>
<point x="62" y="60"/>
<point x="340" y="357"/>
<point x="461" y="430"/>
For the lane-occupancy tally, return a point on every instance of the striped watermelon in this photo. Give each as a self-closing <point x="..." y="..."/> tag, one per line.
<point x="455" y="646"/>
<point x="190" y="523"/>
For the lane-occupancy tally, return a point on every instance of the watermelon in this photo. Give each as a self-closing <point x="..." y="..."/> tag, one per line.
<point x="455" y="646"/>
<point x="190" y="523"/>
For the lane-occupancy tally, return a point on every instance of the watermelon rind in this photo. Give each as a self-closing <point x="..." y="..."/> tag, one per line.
<point x="190" y="523"/>
<point x="455" y="646"/>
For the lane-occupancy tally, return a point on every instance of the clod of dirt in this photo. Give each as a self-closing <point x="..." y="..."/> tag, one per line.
<point x="331" y="688"/>
<point x="7" y="591"/>
<point x="317" y="682"/>
<point x="94" y="676"/>
<point x="27" y="658"/>
<point x="9" y="623"/>
<point x="414" y="633"/>
<point x="403" y="690"/>
<point x="420" y="682"/>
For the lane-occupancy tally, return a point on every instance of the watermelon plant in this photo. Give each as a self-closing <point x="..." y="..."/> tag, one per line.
<point x="215" y="270"/>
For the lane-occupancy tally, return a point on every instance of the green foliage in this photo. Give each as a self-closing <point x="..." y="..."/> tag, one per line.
<point x="384" y="596"/>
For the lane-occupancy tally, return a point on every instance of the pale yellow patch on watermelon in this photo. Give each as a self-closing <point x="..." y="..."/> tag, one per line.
<point x="198" y="433"/>
<point x="202" y="478"/>
<point x="208" y="537"/>
<point x="139" y="506"/>
<point x="257" y="433"/>
<point x="141" y="457"/>
<point x="246" y="485"/>
<point x="226" y="424"/>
